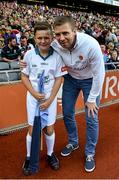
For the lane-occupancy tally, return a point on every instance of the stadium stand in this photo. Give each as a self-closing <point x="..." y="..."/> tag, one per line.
<point x="10" y="76"/>
<point x="14" y="65"/>
<point x="4" y="66"/>
<point x="21" y="18"/>
<point x="3" y="76"/>
<point x="14" y="75"/>
<point x="9" y="71"/>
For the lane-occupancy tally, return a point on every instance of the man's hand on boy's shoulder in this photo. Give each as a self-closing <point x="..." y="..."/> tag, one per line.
<point x="22" y="64"/>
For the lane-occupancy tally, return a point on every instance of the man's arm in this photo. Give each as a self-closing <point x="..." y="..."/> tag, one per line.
<point x="8" y="60"/>
<point x="98" y="71"/>
<point x="22" y="64"/>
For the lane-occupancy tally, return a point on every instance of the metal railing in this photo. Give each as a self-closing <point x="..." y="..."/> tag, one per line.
<point x="7" y="74"/>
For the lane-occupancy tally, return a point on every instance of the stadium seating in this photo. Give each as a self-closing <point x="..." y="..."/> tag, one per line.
<point x="14" y="76"/>
<point x="4" y="66"/>
<point x="9" y="72"/>
<point x="3" y="77"/>
<point x="14" y="65"/>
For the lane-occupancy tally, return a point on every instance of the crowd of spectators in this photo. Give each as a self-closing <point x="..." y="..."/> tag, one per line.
<point x="17" y="25"/>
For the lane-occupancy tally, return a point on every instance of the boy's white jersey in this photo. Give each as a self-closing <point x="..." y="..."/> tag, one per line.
<point x="52" y="65"/>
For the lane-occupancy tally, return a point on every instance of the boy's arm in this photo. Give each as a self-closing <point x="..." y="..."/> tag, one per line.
<point x="54" y="92"/>
<point x="27" y="84"/>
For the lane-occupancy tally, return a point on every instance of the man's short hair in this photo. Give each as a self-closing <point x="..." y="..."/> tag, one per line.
<point x="23" y="37"/>
<point x="9" y="39"/>
<point x="44" y="25"/>
<point x="60" y="20"/>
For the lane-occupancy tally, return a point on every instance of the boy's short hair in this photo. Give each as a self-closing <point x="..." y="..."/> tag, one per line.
<point x="60" y="20"/>
<point x="42" y="26"/>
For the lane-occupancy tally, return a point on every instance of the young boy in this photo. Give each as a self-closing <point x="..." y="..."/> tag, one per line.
<point x="42" y="59"/>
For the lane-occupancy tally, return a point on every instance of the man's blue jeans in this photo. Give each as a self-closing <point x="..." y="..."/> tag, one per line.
<point x="71" y="90"/>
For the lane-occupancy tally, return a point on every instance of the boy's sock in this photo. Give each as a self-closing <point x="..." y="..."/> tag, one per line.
<point x="28" y="145"/>
<point x="50" y="140"/>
